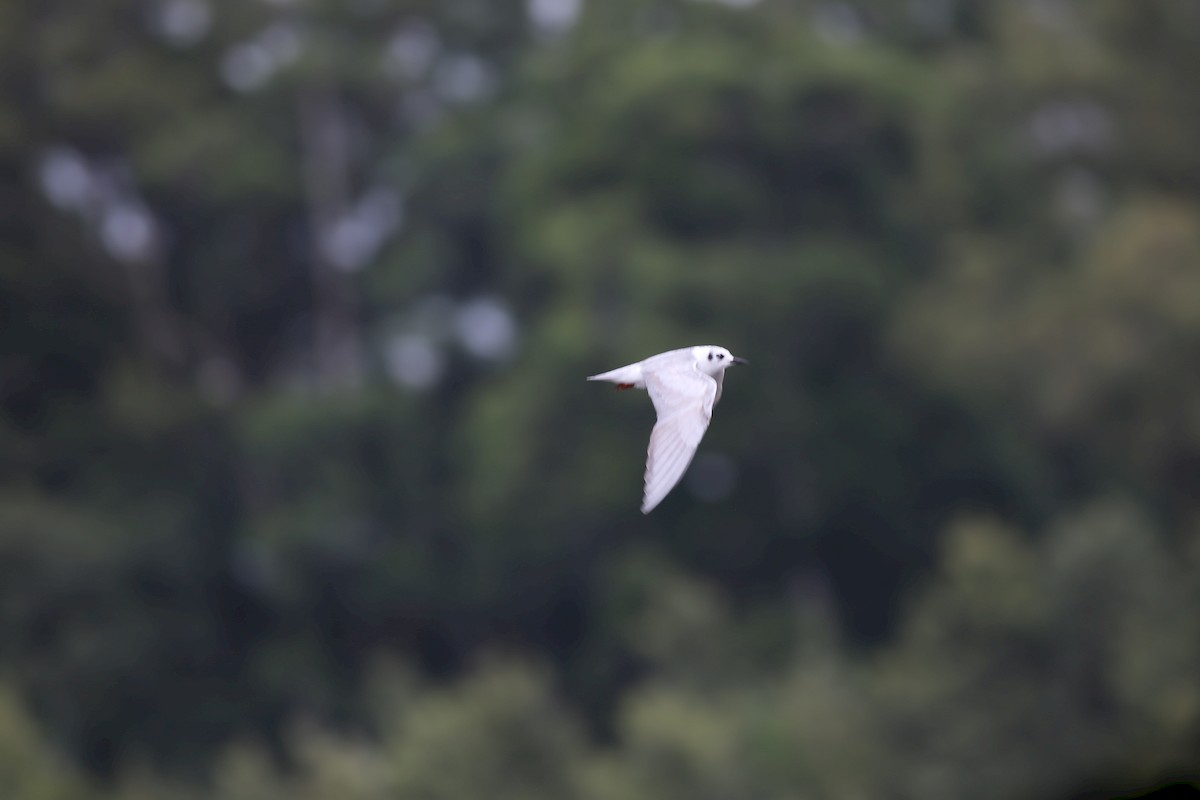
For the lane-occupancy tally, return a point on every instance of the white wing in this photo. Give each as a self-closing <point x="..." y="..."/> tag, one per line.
<point x="683" y="398"/>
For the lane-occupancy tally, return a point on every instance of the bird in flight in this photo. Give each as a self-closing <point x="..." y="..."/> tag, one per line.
<point x="684" y="385"/>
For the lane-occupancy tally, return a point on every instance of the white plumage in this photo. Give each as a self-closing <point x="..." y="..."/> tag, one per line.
<point x="684" y="385"/>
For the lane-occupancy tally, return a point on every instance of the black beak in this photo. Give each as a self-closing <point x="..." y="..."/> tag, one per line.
<point x="736" y="360"/>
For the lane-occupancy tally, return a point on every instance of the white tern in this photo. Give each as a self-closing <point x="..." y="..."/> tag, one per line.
<point x="684" y="385"/>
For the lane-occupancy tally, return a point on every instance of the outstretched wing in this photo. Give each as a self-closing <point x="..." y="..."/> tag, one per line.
<point x="683" y="398"/>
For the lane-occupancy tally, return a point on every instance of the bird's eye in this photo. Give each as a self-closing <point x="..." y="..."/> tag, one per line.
<point x="710" y="356"/>
<point x="720" y="355"/>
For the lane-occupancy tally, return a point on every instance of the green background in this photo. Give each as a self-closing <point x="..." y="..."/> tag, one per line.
<point x="303" y="494"/>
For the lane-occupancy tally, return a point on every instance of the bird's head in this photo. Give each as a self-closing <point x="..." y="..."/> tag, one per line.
<point x="713" y="360"/>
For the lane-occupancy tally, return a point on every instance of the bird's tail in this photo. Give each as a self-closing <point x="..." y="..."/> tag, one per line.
<point x="631" y="375"/>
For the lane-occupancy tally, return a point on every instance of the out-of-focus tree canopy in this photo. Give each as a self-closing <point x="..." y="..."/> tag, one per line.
<point x="303" y="495"/>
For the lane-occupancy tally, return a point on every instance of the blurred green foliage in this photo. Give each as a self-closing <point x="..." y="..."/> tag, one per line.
<point x="302" y="493"/>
